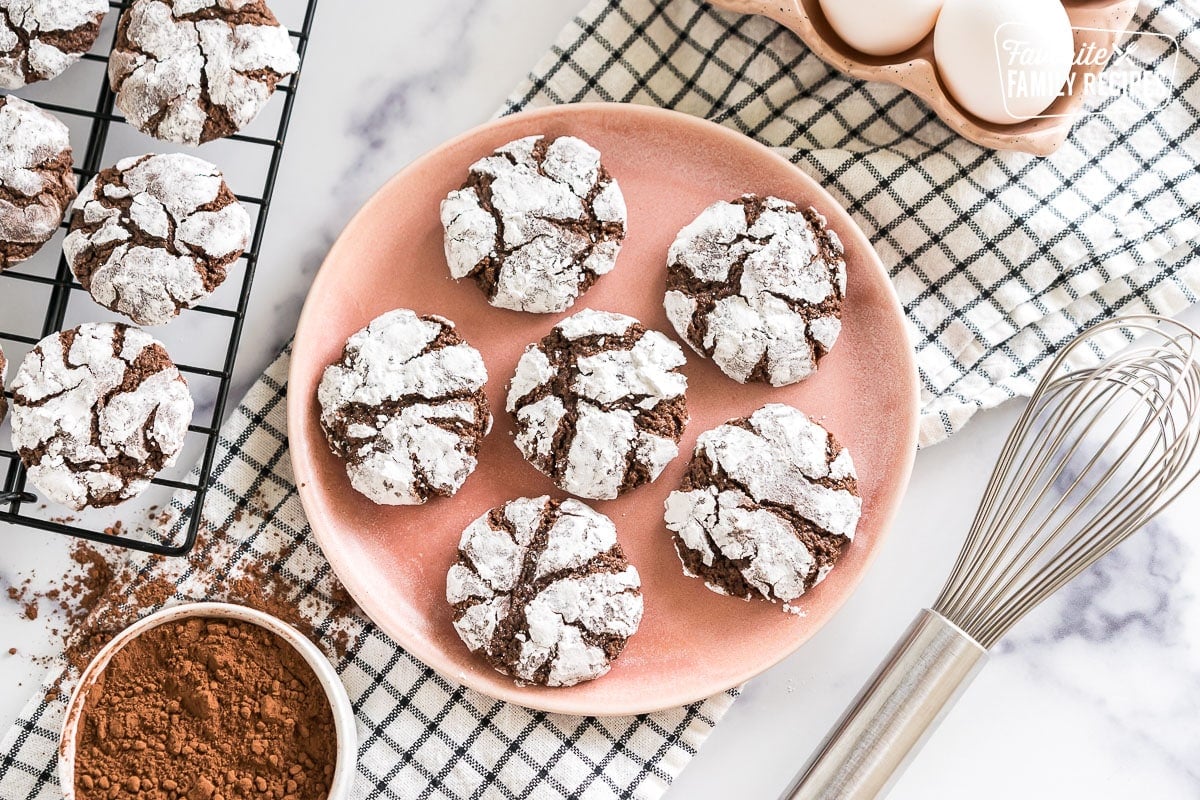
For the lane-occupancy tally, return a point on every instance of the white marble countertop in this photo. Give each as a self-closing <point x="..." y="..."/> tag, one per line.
<point x="1095" y="695"/>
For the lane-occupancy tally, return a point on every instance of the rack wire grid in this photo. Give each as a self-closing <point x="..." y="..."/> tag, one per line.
<point x="53" y="295"/>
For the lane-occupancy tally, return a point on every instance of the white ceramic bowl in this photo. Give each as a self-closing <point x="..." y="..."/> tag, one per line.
<point x="339" y="701"/>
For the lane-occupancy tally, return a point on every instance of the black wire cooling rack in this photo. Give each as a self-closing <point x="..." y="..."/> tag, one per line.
<point x="19" y="505"/>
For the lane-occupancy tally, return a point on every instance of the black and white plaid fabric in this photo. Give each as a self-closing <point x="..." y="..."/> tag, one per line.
<point x="998" y="259"/>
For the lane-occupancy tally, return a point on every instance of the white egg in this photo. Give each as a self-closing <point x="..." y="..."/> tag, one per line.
<point x="1004" y="60"/>
<point x="881" y="27"/>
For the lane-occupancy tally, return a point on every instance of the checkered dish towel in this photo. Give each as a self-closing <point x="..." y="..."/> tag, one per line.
<point x="998" y="258"/>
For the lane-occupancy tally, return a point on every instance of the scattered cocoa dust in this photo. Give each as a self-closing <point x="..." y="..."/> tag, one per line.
<point x="260" y="587"/>
<point x="89" y="585"/>
<point x="206" y="708"/>
<point x="104" y="592"/>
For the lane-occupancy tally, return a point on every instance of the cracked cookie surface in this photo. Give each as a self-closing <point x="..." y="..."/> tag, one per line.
<point x="766" y="506"/>
<point x="154" y="235"/>
<point x="536" y="224"/>
<point x="190" y="71"/>
<point x="39" y="39"/>
<point x="97" y="412"/>
<point x="599" y="404"/>
<point x="757" y="286"/>
<point x="3" y="375"/>
<point x="36" y="182"/>
<point x="404" y="407"/>
<point x="543" y="592"/>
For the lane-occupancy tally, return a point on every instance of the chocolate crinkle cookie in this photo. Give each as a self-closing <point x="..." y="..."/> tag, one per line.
<point x="766" y="506"/>
<point x="3" y="374"/>
<point x="98" y="411"/>
<point x="154" y="235"/>
<point x="405" y="408"/>
<point x="190" y="71"/>
<point x="757" y="286"/>
<point x="36" y="183"/>
<point x="543" y="592"/>
<point x="599" y="404"/>
<point x="536" y="224"/>
<point x="39" y="39"/>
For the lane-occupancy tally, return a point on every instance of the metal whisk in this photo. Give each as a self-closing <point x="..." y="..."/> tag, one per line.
<point x="1098" y="452"/>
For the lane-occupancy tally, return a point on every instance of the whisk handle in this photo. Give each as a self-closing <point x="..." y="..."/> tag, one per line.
<point x="893" y="715"/>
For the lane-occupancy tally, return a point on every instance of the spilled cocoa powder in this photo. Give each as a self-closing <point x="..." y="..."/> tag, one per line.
<point x="96" y="603"/>
<point x="206" y="709"/>
<point x="104" y="591"/>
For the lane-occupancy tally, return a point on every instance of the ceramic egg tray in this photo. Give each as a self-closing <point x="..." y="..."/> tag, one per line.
<point x="1101" y="22"/>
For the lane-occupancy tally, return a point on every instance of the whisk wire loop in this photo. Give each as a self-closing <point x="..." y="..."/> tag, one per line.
<point x="1097" y="452"/>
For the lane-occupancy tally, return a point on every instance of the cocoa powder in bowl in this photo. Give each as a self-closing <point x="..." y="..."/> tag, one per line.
<point x="206" y="708"/>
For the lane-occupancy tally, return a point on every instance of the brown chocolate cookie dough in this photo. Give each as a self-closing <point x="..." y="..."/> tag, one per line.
<point x="543" y="592"/>
<point x="766" y="507"/>
<point x="97" y="412"/>
<point x="36" y="182"/>
<point x="757" y="285"/>
<point x="154" y="235"/>
<point x="41" y="38"/>
<point x="599" y="404"/>
<point x="536" y="224"/>
<point x="194" y="71"/>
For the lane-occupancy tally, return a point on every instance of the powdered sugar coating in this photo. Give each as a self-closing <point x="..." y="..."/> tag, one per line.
<point x="36" y="184"/>
<point x="536" y="224"/>
<point x="41" y="38"/>
<point x="190" y="71"/>
<point x="757" y="286"/>
<point x="542" y="590"/>
<point x="155" y="234"/>
<point x="772" y="497"/>
<point x="97" y="412"/>
<point x="405" y="408"/>
<point x="3" y="374"/>
<point x="617" y="387"/>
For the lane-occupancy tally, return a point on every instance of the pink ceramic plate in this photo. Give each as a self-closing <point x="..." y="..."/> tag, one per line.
<point x="692" y="643"/>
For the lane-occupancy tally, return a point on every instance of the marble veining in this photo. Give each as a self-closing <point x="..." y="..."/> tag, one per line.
<point x="1097" y="608"/>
